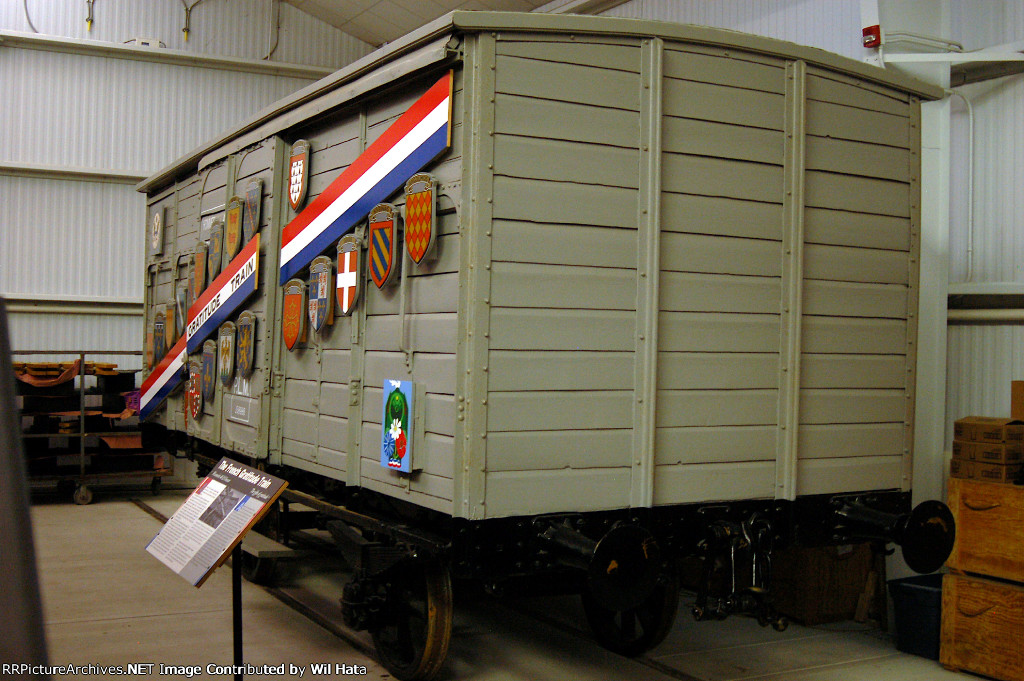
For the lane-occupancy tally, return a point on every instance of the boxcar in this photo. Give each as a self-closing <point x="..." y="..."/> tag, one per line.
<point x="523" y="295"/>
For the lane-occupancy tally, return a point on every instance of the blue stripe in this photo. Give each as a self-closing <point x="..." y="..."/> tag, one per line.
<point x="416" y="161"/>
<point x="221" y="315"/>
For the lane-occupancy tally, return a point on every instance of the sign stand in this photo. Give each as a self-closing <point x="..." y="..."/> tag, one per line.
<point x="236" y="606"/>
<point x="209" y="527"/>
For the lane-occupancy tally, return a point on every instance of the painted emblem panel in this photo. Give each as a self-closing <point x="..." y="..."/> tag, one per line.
<point x="197" y="282"/>
<point x="215" y="250"/>
<point x="396" y="429"/>
<point x="209" y="369"/>
<point x="226" y="353"/>
<point x="246" y="343"/>
<point x="321" y="304"/>
<point x="349" y="283"/>
<point x="293" y="318"/>
<point x="253" y="205"/>
<point x="420" y="217"/>
<point x="233" y="228"/>
<point x="194" y="389"/>
<point x="159" y="335"/>
<point x="298" y="173"/>
<point x="383" y="235"/>
<point x="156" y="232"/>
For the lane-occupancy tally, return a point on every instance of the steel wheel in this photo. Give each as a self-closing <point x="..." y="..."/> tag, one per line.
<point x="412" y="641"/>
<point x="636" y="630"/>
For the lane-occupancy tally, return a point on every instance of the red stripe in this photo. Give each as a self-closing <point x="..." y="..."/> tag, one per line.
<point x="399" y="129"/>
<point x="223" y="278"/>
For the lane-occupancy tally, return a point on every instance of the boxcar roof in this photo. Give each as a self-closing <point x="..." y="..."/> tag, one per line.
<point x="429" y="44"/>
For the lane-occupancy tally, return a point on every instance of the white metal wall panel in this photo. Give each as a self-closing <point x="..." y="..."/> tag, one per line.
<point x="998" y="175"/>
<point x="70" y="110"/>
<point x="832" y="25"/>
<point x="77" y="332"/>
<point x="230" y="28"/>
<point x="71" y="238"/>
<point x="982" y="359"/>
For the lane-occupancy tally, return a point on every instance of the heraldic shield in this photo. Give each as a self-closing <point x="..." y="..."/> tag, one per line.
<point x="321" y="305"/>
<point x="194" y="390"/>
<point x="232" y="229"/>
<point x="159" y="336"/>
<point x="293" y="318"/>
<point x="246" y="343"/>
<point x="209" y="369"/>
<point x="181" y="304"/>
<point x="298" y="174"/>
<point x="420" y="217"/>
<point x="383" y="235"/>
<point x="215" y="251"/>
<point x="197" y="282"/>
<point x="156" y="232"/>
<point x="226" y="354"/>
<point x="253" y="204"/>
<point x="349" y="280"/>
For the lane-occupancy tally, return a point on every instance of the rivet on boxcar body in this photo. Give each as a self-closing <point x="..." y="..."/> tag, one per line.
<point x="483" y="401"/>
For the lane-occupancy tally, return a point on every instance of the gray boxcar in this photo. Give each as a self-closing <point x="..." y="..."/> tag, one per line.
<point x="674" y="266"/>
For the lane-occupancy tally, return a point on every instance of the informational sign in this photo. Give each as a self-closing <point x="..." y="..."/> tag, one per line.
<point x="198" y="538"/>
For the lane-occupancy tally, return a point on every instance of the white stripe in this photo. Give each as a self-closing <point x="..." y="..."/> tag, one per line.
<point x="404" y="148"/>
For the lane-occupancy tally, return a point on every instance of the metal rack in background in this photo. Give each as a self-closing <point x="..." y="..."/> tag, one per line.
<point x="82" y="493"/>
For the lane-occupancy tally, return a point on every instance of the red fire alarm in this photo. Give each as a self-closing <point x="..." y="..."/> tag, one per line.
<point x="872" y="36"/>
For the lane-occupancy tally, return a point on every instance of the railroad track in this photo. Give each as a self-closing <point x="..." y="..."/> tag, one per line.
<point x="326" y="612"/>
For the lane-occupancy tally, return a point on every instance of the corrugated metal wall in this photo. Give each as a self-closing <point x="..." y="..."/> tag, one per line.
<point x="128" y="115"/>
<point x="66" y="238"/>
<point x="983" y="358"/>
<point x="832" y="25"/>
<point x="229" y="28"/>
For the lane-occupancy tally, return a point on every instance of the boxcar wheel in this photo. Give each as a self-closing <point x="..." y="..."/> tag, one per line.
<point x="412" y="640"/>
<point x="636" y="630"/>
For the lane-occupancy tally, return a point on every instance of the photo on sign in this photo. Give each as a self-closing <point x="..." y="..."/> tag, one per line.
<point x="221" y="506"/>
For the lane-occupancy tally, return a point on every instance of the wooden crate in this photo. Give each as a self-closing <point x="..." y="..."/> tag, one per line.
<point x="982" y="623"/>
<point x="989" y="528"/>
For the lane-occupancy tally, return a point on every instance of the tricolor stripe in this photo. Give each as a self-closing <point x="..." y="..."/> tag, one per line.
<point x="163" y="379"/>
<point x="229" y="290"/>
<point x="410" y="143"/>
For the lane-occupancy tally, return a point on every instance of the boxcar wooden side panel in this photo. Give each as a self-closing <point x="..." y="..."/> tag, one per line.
<point x="562" y="275"/>
<point x="859" y="264"/>
<point x="331" y="405"/>
<point x="721" y="275"/>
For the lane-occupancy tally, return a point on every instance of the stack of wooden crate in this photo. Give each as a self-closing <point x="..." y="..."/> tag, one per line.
<point x="983" y="595"/>
<point x="985" y="448"/>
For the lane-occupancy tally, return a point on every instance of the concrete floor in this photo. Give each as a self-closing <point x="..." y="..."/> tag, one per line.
<point x="108" y="602"/>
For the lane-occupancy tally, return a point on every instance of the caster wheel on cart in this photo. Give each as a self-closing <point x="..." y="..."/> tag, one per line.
<point x="636" y="630"/>
<point x="412" y="640"/>
<point x="83" y="495"/>
<point x="155" y="486"/>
